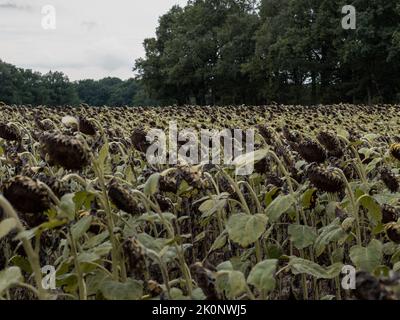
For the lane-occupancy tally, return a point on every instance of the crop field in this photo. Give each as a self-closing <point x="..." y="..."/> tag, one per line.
<point x="84" y="214"/>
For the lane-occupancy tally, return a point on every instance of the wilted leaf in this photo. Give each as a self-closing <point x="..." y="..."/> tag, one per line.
<point x="301" y="236"/>
<point x="9" y="277"/>
<point x="151" y="185"/>
<point x="262" y="276"/>
<point x="302" y="266"/>
<point x="328" y="234"/>
<point x="367" y="258"/>
<point x="373" y="208"/>
<point x="209" y="207"/>
<point x="67" y="207"/>
<point x="279" y="206"/>
<point x="232" y="282"/>
<point x="219" y="242"/>
<point x="246" y="229"/>
<point x="308" y="199"/>
<point x="81" y="227"/>
<point x="130" y="290"/>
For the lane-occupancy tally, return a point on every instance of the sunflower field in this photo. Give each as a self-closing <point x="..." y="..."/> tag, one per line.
<point x="84" y="215"/>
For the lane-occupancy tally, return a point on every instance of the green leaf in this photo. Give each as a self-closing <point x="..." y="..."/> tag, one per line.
<point x="103" y="155"/>
<point x="211" y="206"/>
<point x="246" y="229"/>
<point x="83" y="198"/>
<point x="367" y="258"/>
<point x="269" y="196"/>
<point x="6" y="226"/>
<point x="226" y="265"/>
<point x="88" y="257"/>
<point x="130" y="290"/>
<point x="328" y="234"/>
<point x="67" y="207"/>
<point x="308" y="199"/>
<point x="151" y="185"/>
<point x="83" y="225"/>
<point x="250" y="158"/>
<point x="263" y="275"/>
<point x="279" y="206"/>
<point x="328" y="297"/>
<point x="302" y="236"/>
<point x="302" y="266"/>
<point x="22" y="263"/>
<point x="232" y="282"/>
<point x="372" y="165"/>
<point x="95" y="280"/>
<point x="9" y="277"/>
<point x="374" y="209"/>
<point x="220" y="242"/>
<point x="96" y="240"/>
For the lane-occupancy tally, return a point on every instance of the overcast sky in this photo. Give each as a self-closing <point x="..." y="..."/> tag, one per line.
<point x="92" y="39"/>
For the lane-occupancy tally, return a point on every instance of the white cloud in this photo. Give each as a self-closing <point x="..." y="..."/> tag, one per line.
<point x="93" y="39"/>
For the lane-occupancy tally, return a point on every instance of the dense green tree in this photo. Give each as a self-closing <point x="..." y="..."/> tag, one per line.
<point x="288" y="51"/>
<point x="19" y="86"/>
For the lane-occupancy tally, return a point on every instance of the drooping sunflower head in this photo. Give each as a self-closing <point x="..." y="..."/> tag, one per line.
<point x="28" y="197"/>
<point x="389" y="179"/>
<point x="331" y="142"/>
<point x="87" y="127"/>
<point x="68" y="152"/>
<point x="312" y="151"/>
<point x="122" y="198"/>
<point x="9" y="133"/>
<point x="395" y="150"/>
<point x="393" y="232"/>
<point x="139" y="140"/>
<point x="327" y="180"/>
<point x="389" y="214"/>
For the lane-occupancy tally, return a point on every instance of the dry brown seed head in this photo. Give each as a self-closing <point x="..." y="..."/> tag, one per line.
<point x="65" y="151"/>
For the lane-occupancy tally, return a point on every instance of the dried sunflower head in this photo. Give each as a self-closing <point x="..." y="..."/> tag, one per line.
<point x="65" y="151"/>
<point x="312" y="151"/>
<point x="122" y="198"/>
<point x="154" y="288"/>
<point x="164" y="203"/>
<point x="58" y="187"/>
<point x="261" y="166"/>
<point x="9" y="133"/>
<point x="205" y="280"/>
<point x="135" y="255"/>
<point x="389" y="179"/>
<point x="327" y="180"/>
<point x="87" y="127"/>
<point x="331" y="143"/>
<point x="139" y="140"/>
<point x="389" y="214"/>
<point x="393" y="232"/>
<point x="395" y="150"/>
<point x="28" y="198"/>
<point x="267" y="133"/>
<point x="369" y="288"/>
<point x="291" y="136"/>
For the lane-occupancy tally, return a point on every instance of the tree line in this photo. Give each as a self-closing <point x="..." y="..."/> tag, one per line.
<point x="285" y="51"/>
<point x="24" y="86"/>
<point x="243" y="52"/>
